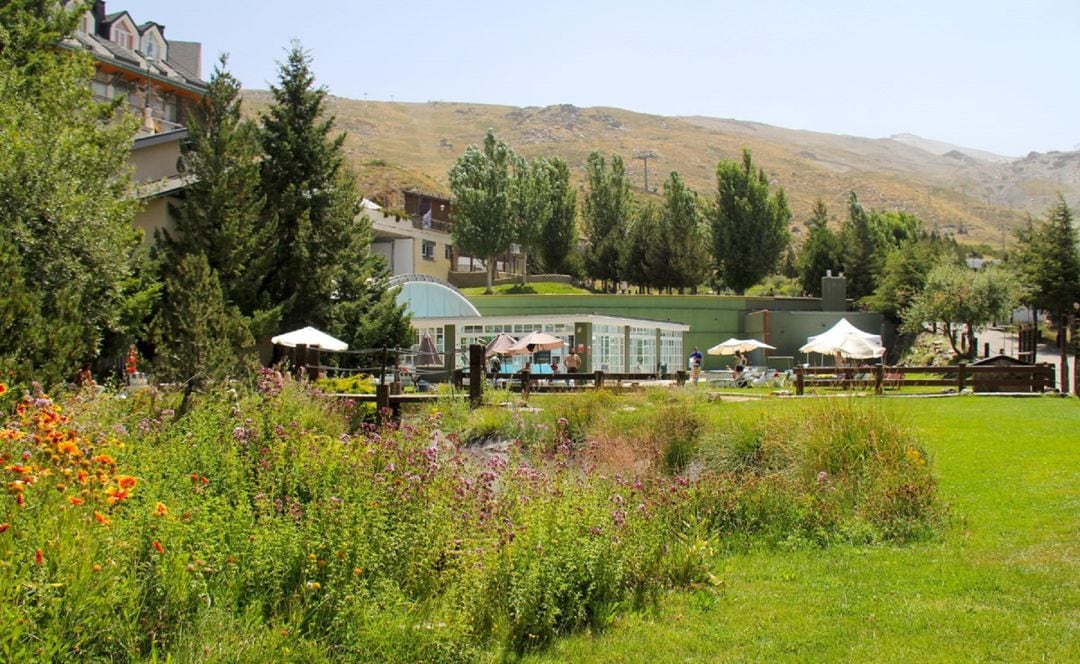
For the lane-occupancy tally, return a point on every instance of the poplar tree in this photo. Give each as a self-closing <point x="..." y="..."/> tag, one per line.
<point x="749" y="226"/>
<point x="558" y="234"/>
<point x="684" y="243"/>
<point x="606" y="213"/>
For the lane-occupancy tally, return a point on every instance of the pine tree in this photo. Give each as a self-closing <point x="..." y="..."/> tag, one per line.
<point x="639" y="251"/>
<point x="862" y="262"/>
<point x="606" y="214"/>
<point x="820" y="253"/>
<point x="199" y="336"/>
<point x="1048" y="264"/>
<point x="310" y="199"/>
<point x="532" y="206"/>
<point x="219" y="215"/>
<point x="749" y="227"/>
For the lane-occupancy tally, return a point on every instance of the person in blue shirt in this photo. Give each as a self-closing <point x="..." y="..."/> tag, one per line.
<point x="695" y="364"/>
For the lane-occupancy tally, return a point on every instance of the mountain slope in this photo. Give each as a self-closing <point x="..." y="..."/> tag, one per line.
<point x="976" y="195"/>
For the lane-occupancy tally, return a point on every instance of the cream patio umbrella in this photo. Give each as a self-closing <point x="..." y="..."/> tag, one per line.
<point x="733" y="345"/>
<point x="534" y="341"/>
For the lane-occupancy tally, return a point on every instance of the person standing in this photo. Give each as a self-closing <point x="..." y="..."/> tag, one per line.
<point x="131" y="363"/>
<point x="573" y="362"/>
<point x="695" y="365"/>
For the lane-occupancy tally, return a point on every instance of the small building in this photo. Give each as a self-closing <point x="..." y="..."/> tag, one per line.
<point x="614" y="344"/>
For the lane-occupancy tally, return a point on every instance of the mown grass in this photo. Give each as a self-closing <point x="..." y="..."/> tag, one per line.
<point x="531" y="288"/>
<point x="1001" y="583"/>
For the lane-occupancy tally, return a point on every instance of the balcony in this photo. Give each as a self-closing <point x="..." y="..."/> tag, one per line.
<point x="434" y="225"/>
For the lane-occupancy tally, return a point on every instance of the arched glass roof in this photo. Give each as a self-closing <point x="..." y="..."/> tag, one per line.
<point x="428" y="297"/>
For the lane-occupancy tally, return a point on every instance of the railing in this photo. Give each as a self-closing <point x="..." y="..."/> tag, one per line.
<point x="1032" y="378"/>
<point x="434" y="225"/>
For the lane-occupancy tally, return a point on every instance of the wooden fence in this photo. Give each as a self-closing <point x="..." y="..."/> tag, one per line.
<point x="1019" y="378"/>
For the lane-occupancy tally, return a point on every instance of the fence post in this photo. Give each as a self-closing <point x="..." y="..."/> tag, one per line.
<point x="800" y="381"/>
<point x="961" y="376"/>
<point x="879" y="378"/>
<point x="382" y="399"/>
<point x="680" y="378"/>
<point x="476" y="375"/>
<point x="598" y="377"/>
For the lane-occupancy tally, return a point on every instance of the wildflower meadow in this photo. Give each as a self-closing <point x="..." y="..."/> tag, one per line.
<point x="276" y="524"/>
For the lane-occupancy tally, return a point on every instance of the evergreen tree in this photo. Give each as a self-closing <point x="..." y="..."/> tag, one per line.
<point x="606" y="213"/>
<point x="480" y="182"/>
<point x="310" y="199"/>
<point x="1047" y="262"/>
<point x="219" y="215"/>
<point x="199" y="336"/>
<point x="862" y="262"/>
<point x="749" y="227"/>
<point x="65" y="200"/>
<point x="558" y="236"/>
<point x="903" y="276"/>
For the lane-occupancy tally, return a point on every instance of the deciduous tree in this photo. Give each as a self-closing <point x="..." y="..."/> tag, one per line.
<point x="749" y="226"/>
<point x="606" y="214"/>
<point x="481" y="184"/>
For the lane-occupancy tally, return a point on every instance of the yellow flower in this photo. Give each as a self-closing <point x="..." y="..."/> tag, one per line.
<point x="160" y="509"/>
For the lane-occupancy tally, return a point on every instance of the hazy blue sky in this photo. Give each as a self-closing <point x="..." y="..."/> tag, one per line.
<point x="995" y="75"/>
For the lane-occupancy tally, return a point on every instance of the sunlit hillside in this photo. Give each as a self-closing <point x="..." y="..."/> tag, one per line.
<point x="978" y="196"/>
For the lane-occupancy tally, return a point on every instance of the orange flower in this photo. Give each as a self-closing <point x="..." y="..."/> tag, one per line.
<point x="160" y="509"/>
<point x="117" y="494"/>
<point x="101" y="518"/>
<point x="68" y="447"/>
<point x="39" y="557"/>
<point x="158" y="547"/>
<point x="4" y="527"/>
<point x="75" y="500"/>
<point x="82" y="476"/>
<point x="105" y="459"/>
<point x="3" y="389"/>
<point x="126" y="482"/>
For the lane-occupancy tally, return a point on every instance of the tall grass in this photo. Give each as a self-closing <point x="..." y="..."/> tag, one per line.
<point x="270" y="525"/>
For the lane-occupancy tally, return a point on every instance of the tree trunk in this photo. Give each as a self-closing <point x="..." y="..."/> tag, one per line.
<point x="490" y="275"/>
<point x="951" y="336"/>
<point x="524" y="268"/>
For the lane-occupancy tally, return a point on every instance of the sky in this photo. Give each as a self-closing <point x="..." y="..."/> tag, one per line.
<point x="993" y="75"/>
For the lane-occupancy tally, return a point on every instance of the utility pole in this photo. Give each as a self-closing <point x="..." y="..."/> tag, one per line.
<point x="645" y="157"/>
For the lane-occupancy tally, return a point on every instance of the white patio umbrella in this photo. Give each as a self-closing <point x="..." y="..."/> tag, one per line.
<point x="500" y="345"/>
<point x="310" y="337"/>
<point x="846" y="339"/>
<point x="733" y="345"/>
<point x="537" y="341"/>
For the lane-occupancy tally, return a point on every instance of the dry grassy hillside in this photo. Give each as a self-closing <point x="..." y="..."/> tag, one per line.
<point x="974" y="194"/>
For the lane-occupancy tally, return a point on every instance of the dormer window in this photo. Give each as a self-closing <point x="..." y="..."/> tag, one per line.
<point x="151" y="49"/>
<point x="124" y="38"/>
<point x="87" y="23"/>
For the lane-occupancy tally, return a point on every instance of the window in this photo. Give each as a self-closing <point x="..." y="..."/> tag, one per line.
<point x="124" y="38"/>
<point x="87" y="23"/>
<point x="427" y="250"/>
<point x="100" y="90"/>
<point x="151" y="48"/>
<point x="448" y="252"/>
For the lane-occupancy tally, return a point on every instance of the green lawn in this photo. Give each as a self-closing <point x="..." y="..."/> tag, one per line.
<point x="532" y="288"/>
<point x="1001" y="584"/>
